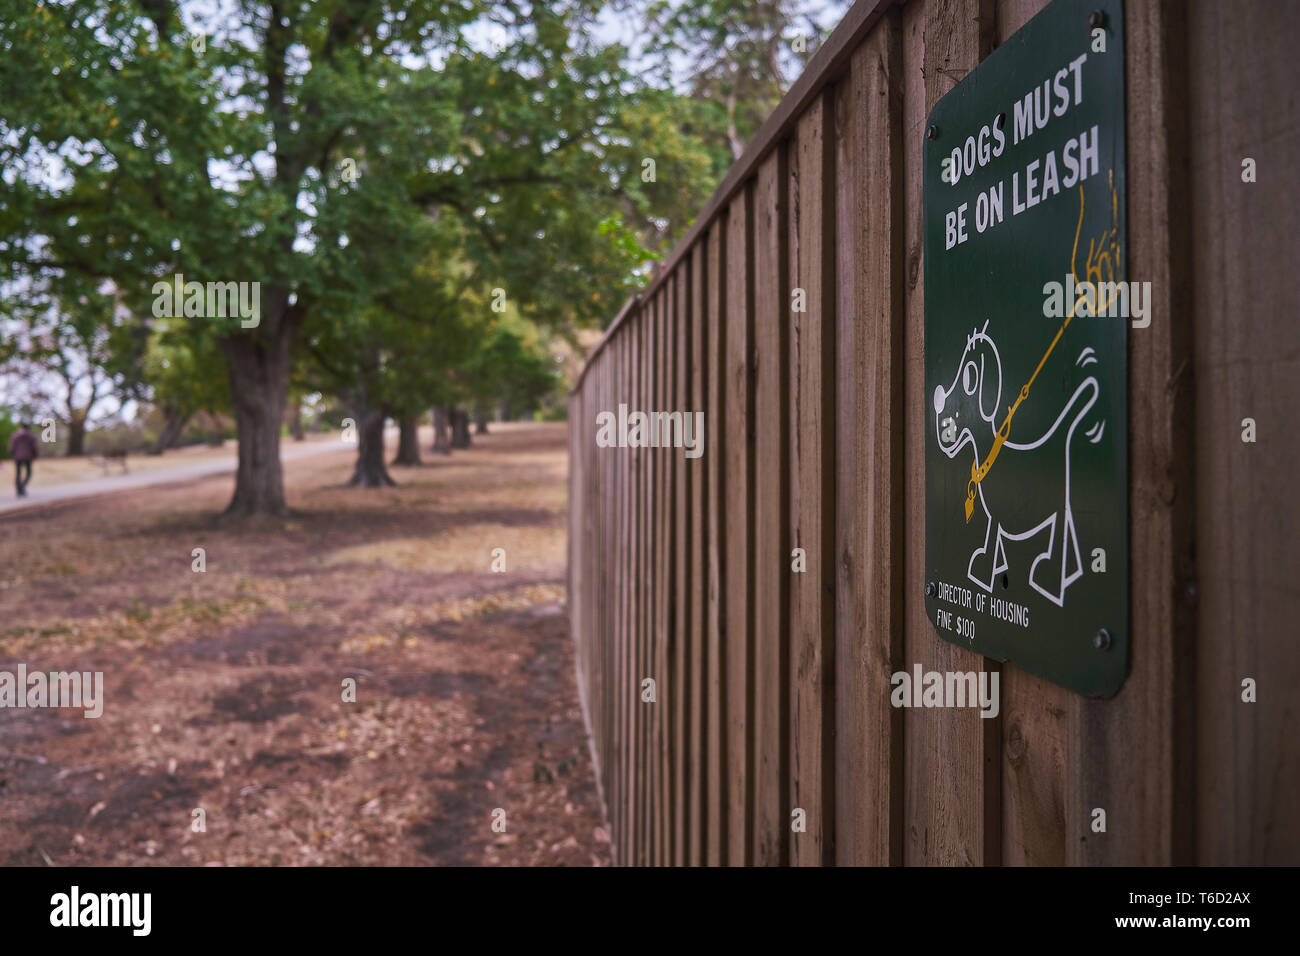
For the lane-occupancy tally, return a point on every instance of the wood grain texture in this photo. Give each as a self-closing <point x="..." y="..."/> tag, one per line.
<point x="869" y="472"/>
<point x="654" y="484"/>
<point x="614" y="536"/>
<point x="1035" y="769"/>
<point x="637" y="768"/>
<point x="661" y="709"/>
<point x="1144" y="780"/>
<point x="654" y="566"/>
<point x="622" y="698"/>
<point x="618" y="823"/>
<point x="588" y="530"/>
<point x="609" y="531"/>
<point x="574" y="587"/>
<point x="950" y="814"/>
<point x="1247" y="365"/>
<point x="680" y="570"/>
<point x="1035" y="715"/>
<point x="1010" y="15"/>
<point x="739" y="520"/>
<point x="680" y="601"/>
<point x="771" y="714"/>
<point x="811" y="458"/>
<point x="715" y="688"/>
<point x="594" y="520"/>
<point x="696" y="474"/>
<point x="625" y="678"/>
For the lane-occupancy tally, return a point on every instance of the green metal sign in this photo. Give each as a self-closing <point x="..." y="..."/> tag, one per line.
<point x="1027" y="311"/>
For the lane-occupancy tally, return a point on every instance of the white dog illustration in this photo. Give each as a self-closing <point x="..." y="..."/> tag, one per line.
<point x="967" y="415"/>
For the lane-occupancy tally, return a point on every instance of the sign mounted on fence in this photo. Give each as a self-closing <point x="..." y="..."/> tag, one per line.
<point x="1027" y="311"/>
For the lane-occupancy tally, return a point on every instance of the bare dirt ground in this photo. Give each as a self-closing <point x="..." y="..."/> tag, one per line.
<point x="224" y="688"/>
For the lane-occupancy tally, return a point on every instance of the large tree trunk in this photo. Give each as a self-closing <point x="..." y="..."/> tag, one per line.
<point x="408" y="442"/>
<point x="459" y="428"/>
<point x="481" y="416"/>
<point x="370" y="471"/>
<point x="258" y="368"/>
<point x="441" y="431"/>
<point x="173" y="425"/>
<point x="76" y="435"/>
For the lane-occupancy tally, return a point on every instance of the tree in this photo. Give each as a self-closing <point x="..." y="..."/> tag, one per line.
<point x="741" y="55"/>
<point x="441" y="421"/>
<point x="387" y="362"/>
<point x="71" y="346"/>
<point x="523" y="217"/>
<point x="302" y="148"/>
<point x="183" y="374"/>
<point x="506" y="369"/>
<point x="220" y="161"/>
<point x="662" y="164"/>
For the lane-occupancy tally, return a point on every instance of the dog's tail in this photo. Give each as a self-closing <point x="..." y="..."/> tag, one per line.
<point x="1089" y="357"/>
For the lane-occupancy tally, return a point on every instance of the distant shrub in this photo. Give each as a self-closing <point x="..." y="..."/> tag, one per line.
<point x="7" y="427"/>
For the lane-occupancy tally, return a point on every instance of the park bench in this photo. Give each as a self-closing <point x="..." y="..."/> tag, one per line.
<point x="109" y="457"/>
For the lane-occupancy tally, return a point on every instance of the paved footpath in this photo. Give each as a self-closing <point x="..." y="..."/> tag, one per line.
<point x="37" y="496"/>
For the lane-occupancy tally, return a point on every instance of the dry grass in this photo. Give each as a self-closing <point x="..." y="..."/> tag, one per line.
<point x="224" y="689"/>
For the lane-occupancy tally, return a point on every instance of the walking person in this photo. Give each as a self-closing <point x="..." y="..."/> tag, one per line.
<point x="22" y="449"/>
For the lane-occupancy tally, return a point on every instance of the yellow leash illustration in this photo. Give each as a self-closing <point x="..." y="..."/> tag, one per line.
<point x="978" y="472"/>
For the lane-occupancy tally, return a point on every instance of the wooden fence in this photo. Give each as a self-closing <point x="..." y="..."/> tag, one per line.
<point x="772" y="688"/>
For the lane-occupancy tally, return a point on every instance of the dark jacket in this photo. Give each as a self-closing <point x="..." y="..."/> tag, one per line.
<point x="22" y="446"/>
